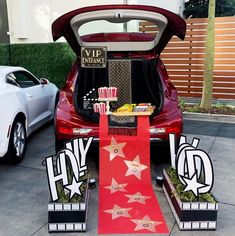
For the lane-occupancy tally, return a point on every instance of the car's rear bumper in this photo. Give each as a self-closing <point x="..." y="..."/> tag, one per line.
<point x="152" y="140"/>
<point x="67" y="134"/>
<point x="70" y="125"/>
<point x="95" y="141"/>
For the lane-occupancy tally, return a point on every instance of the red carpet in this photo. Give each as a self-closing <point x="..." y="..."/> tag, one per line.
<point x="127" y="203"/>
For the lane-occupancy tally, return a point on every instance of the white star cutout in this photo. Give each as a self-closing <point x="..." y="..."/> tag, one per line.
<point x="118" y="211"/>
<point x="135" y="167"/>
<point x="116" y="187"/>
<point x="193" y="184"/>
<point x="115" y="149"/>
<point x="74" y="188"/>
<point x="146" y="223"/>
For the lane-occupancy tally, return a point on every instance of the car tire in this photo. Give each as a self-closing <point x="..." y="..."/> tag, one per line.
<point x="59" y="144"/>
<point x="17" y="143"/>
<point x="160" y="153"/>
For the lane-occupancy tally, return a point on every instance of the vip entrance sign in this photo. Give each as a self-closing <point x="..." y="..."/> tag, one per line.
<point x="93" y="57"/>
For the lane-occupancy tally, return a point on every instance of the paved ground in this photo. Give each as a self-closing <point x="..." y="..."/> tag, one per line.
<point x="24" y="191"/>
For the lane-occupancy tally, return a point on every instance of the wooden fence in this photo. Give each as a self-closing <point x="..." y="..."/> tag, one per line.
<point x="184" y="60"/>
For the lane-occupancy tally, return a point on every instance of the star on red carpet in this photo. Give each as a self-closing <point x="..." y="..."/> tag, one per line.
<point x="137" y="197"/>
<point x="135" y="167"/>
<point x="146" y="223"/>
<point x="118" y="211"/>
<point x="116" y="187"/>
<point x="115" y="149"/>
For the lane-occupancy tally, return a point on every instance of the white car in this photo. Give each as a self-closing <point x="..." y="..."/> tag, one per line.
<point x="26" y="104"/>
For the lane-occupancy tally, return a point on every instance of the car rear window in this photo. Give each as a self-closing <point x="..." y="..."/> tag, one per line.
<point x="104" y="26"/>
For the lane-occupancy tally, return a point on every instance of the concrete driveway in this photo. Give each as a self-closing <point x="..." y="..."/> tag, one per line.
<point x="24" y="191"/>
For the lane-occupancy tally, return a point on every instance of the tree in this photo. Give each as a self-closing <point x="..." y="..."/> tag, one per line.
<point x="196" y="8"/>
<point x="199" y="8"/>
<point x="209" y="58"/>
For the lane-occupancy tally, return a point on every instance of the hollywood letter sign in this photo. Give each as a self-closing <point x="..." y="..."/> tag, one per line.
<point x="192" y="164"/>
<point x="72" y="157"/>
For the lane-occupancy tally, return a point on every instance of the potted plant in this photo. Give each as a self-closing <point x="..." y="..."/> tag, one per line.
<point x="190" y="212"/>
<point x="69" y="184"/>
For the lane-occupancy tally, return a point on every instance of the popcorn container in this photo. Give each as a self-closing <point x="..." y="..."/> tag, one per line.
<point x="113" y="92"/>
<point x="102" y="108"/>
<point x="100" y="92"/>
<point x="96" y="107"/>
<point x="105" y="91"/>
<point x="109" y="93"/>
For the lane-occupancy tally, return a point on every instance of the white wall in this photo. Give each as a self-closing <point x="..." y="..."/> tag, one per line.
<point x="30" y="20"/>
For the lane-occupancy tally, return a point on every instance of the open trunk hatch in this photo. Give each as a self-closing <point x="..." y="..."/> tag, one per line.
<point x="168" y="24"/>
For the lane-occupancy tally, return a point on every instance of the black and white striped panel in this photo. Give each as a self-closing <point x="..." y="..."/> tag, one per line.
<point x="66" y="227"/>
<point x="200" y="225"/>
<point x="66" y="206"/>
<point x="199" y="206"/>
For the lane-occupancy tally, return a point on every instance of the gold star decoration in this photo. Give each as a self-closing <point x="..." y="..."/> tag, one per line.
<point x="117" y="212"/>
<point x="146" y="223"/>
<point x="137" y="197"/>
<point x="135" y="167"/>
<point x="115" y="149"/>
<point x="116" y="187"/>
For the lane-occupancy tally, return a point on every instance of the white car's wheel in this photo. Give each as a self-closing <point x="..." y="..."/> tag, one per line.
<point x="19" y="139"/>
<point x="17" y="143"/>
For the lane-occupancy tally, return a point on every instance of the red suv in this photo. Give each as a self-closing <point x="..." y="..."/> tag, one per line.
<point x="133" y="66"/>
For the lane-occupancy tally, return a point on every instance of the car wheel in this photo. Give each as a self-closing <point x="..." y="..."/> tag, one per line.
<point x="17" y="143"/>
<point x="59" y="144"/>
<point x="160" y="153"/>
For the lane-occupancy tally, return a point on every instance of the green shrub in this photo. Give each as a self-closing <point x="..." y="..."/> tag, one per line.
<point x="65" y="196"/>
<point x="4" y="54"/>
<point x="48" y="60"/>
<point x="186" y="196"/>
<point x="182" y="102"/>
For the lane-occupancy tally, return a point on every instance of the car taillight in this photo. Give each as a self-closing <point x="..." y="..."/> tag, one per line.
<point x="173" y="130"/>
<point x="81" y="131"/>
<point x="167" y="130"/>
<point x="157" y="130"/>
<point x="65" y="130"/>
<point x="76" y="131"/>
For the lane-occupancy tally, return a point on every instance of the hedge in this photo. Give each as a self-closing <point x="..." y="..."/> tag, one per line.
<point x="4" y="54"/>
<point x="46" y="60"/>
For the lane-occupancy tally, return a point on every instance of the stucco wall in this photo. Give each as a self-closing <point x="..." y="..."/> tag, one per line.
<point x="4" y="38"/>
<point x="30" y="21"/>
